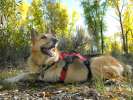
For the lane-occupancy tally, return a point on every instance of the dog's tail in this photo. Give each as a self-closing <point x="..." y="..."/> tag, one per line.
<point x="128" y="71"/>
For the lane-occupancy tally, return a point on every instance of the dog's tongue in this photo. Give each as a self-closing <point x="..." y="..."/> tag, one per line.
<point x="46" y="51"/>
<point x="49" y="53"/>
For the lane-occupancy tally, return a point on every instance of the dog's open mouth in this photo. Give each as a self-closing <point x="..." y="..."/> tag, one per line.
<point x="47" y="51"/>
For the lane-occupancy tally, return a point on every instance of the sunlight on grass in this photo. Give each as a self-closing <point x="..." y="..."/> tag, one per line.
<point x="99" y="85"/>
<point x="115" y="91"/>
<point x="9" y="73"/>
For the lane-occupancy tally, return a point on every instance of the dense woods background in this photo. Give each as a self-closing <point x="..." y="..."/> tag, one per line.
<point x="17" y="18"/>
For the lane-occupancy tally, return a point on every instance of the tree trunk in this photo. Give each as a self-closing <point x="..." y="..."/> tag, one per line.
<point x="122" y="33"/>
<point x="126" y="40"/>
<point x="102" y="38"/>
<point x="121" y="25"/>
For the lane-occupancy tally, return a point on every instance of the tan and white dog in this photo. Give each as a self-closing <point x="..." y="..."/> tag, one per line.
<point x="45" y="62"/>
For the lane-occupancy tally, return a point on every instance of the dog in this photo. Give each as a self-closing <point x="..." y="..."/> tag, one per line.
<point x="48" y="63"/>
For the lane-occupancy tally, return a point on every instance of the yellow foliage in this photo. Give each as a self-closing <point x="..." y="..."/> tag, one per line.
<point x="23" y="10"/>
<point x="128" y="26"/>
<point x="114" y="3"/>
<point x="58" y="18"/>
<point x="35" y="16"/>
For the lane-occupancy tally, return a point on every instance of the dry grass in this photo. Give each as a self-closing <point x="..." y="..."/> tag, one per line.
<point x="9" y="73"/>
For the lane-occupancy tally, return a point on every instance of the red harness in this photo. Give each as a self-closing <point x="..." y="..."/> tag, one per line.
<point x="64" y="55"/>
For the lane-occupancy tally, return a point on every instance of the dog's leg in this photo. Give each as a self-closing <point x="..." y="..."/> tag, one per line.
<point x="21" y="77"/>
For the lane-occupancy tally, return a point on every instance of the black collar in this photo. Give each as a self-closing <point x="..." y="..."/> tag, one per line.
<point x="46" y="66"/>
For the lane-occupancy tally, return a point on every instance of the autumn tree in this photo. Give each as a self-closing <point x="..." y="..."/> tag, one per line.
<point x="56" y="17"/>
<point x="118" y="6"/>
<point x="94" y="12"/>
<point x="128" y="26"/>
<point x="72" y="21"/>
<point x="7" y="18"/>
<point x="68" y="40"/>
<point x="7" y="11"/>
<point x="36" y="16"/>
<point x="7" y="24"/>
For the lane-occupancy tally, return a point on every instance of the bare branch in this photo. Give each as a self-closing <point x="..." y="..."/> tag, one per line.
<point x="123" y="4"/>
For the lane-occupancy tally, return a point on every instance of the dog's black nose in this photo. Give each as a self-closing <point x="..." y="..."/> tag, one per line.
<point x="54" y="40"/>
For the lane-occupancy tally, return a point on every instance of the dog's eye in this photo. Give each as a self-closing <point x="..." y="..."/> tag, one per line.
<point x="54" y="40"/>
<point x="44" y="37"/>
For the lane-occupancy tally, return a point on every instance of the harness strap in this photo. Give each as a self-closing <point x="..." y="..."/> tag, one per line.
<point x="48" y="66"/>
<point x="63" y="72"/>
<point x="65" y="68"/>
<point x="87" y="64"/>
<point x="65" y="54"/>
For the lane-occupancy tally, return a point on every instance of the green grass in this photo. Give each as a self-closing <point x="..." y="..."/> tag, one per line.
<point x="115" y="90"/>
<point x="9" y="73"/>
<point x="99" y="85"/>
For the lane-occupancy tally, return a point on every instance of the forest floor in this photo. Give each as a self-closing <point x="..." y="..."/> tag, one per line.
<point x="82" y="91"/>
<point x="58" y="91"/>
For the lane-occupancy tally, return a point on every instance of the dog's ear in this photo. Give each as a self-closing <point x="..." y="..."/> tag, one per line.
<point x="33" y="35"/>
<point x="52" y="33"/>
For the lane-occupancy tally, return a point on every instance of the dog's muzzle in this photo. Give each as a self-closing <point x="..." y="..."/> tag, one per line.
<point x="54" y="41"/>
<point x="47" y="50"/>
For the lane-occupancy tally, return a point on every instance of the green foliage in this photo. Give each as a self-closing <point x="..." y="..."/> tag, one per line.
<point x="94" y="12"/>
<point x="99" y="85"/>
<point x="123" y="11"/>
<point x="72" y="22"/>
<point x="17" y="18"/>
<point x="57" y="18"/>
<point x="128" y="26"/>
<point x="13" y="38"/>
<point x="35" y="16"/>
<point x="7" y="8"/>
<point x="7" y="74"/>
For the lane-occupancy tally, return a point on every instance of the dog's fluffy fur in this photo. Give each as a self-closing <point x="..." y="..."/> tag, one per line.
<point x="103" y="67"/>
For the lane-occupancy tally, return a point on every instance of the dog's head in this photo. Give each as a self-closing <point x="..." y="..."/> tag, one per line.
<point x="43" y="51"/>
<point x="44" y="43"/>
